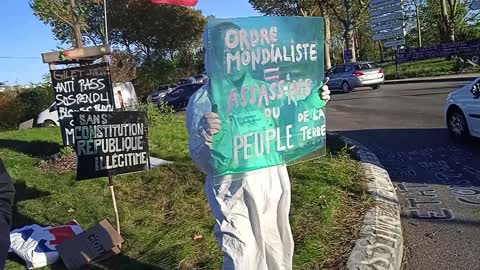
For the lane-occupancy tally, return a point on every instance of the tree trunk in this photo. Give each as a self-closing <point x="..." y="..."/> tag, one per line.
<point x="451" y="23"/>
<point x="328" y="43"/>
<point x="419" y="25"/>
<point x="356" y="40"/>
<point x="448" y="34"/>
<point x="382" y="55"/>
<point x="350" y="41"/>
<point x="77" y="28"/>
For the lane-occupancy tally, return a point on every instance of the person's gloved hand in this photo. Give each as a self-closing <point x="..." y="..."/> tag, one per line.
<point x="210" y="125"/>
<point x="325" y="93"/>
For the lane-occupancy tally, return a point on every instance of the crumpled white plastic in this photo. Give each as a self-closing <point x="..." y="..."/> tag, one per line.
<point x="37" y="245"/>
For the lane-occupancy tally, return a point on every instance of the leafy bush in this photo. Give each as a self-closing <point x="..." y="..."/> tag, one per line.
<point x="156" y="113"/>
<point x="19" y="105"/>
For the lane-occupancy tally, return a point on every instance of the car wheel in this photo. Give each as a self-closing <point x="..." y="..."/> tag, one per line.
<point x="457" y="125"/>
<point x="346" y="87"/>
<point x="49" y="123"/>
<point x="377" y="86"/>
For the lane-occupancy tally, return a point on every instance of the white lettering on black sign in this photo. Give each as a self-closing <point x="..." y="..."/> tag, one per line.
<point x="85" y="89"/>
<point x="110" y="143"/>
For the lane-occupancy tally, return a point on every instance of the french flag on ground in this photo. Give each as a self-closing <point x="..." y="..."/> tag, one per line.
<point x="190" y="3"/>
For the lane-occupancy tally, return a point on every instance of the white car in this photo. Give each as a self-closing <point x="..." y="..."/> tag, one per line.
<point x="462" y="112"/>
<point x="123" y="93"/>
<point x="48" y="118"/>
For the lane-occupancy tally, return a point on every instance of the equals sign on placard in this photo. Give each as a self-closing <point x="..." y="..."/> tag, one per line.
<point x="271" y="74"/>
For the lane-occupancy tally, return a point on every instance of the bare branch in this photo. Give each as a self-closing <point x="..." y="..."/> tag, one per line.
<point x="58" y="16"/>
<point x="336" y="14"/>
<point x="52" y="9"/>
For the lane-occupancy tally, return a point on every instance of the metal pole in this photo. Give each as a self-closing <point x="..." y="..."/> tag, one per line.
<point x="106" y="21"/>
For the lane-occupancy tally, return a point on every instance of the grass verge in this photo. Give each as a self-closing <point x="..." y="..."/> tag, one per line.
<point x="426" y="68"/>
<point x="164" y="213"/>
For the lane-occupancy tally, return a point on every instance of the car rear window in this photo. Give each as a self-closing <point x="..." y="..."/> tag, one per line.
<point x="366" y="66"/>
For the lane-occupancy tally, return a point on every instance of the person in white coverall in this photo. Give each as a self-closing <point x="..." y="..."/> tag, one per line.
<point x="251" y="214"/>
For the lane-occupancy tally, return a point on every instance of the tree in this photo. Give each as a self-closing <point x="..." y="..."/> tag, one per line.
<point x="155" y="30"/>
<point x="82" y="18"/>
<point x="161" y="38"/>
<point x="351" y="14"/>
<point x="305" y="8"/>
<point x="446" y="23"/>
<point x="448" y="28"/>
<point x="166" y="40"/>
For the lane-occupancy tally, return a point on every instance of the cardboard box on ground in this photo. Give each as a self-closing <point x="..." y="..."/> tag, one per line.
<point x="95" y="244"/>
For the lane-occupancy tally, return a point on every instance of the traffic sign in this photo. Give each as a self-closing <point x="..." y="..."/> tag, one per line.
<point x="383" y="3"/>
<point x="394" y="16"/>
<point x="394" y="43"/>
<point x="387" y="26"/>
<point x="389" y="35"/>
<point x="348" y="55"/>
<point x="386" y="10"/>
<point x="476" y="5"/>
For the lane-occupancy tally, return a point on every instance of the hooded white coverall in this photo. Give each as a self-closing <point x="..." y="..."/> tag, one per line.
<point x="251" y="209"/>
<point x="252" y="225"/>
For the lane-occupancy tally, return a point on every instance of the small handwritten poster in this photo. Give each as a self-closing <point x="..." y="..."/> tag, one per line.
<point x="265" y="77"/>
<point x="110" y="143"/>
<point x="86" y="88"/>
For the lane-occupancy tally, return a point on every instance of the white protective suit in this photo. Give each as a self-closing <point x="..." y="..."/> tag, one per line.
<point x="252" y="214"/>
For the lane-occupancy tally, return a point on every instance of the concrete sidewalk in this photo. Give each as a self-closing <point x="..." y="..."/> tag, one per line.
<point x="445" y="78"/>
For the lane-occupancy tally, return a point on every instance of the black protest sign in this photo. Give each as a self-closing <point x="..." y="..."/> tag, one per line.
<point x="110" y="143"/>
<point x="85" y="88"/>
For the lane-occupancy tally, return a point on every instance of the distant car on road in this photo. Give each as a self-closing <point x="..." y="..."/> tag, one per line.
<point x="160" y="93"/>
<point x="187" y="80"/>
<point x="201" y="78"/>
<point x="349" y="76"/>
<point x="180" y="96"/>
<point x="462" y="112"/>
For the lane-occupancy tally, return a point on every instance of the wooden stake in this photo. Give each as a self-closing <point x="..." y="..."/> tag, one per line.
<point x="114" y="200"/>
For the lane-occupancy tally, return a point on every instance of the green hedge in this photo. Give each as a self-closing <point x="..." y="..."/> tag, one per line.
<point x="20" y="105"/>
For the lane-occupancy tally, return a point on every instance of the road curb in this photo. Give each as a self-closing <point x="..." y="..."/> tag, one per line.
<point x="381" y="240"/>
<point x="430" y="80"/>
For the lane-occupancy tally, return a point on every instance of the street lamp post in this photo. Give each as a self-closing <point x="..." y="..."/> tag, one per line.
<point x="106" y="21"/>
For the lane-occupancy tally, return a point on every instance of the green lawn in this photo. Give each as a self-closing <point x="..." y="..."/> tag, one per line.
<point x="162" y="210"/>
<point x="425" y="68"/>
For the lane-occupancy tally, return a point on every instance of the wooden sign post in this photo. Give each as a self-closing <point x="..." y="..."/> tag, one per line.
<point x="114" y="200"/>
<point x="86" y="87"/>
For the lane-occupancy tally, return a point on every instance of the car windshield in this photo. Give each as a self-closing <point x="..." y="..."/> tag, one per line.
<point x="162" y="88"/>
<point x="366" y="66"/>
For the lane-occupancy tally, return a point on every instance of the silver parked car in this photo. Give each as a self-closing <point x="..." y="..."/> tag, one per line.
<point x="348" y="76"/>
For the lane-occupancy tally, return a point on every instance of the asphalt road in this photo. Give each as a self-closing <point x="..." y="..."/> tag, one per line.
<point x="438" y="181"/>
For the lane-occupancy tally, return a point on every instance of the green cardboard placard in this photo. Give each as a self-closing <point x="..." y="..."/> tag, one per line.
<point x="265" y="78"/>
